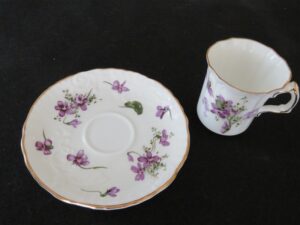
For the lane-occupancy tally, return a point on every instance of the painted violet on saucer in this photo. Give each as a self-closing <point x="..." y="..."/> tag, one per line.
<point x="105" y="139"/>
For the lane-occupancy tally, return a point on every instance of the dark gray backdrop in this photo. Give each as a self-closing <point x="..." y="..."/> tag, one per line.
<point x="250" y="179"/>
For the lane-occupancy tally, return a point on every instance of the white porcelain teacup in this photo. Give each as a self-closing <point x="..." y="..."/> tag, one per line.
<point x="242" y="75"/>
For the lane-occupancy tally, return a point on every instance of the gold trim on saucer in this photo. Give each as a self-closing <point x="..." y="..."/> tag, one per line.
<point x="95" y="206"/>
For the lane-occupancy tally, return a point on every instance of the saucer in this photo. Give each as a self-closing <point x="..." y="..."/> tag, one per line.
<point x="105" y="139"/>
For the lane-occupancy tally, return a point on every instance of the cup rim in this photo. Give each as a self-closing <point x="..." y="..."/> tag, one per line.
<point x="235" y="87"/>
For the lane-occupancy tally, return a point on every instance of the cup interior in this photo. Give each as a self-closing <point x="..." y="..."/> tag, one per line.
<point x="248" y="65"/>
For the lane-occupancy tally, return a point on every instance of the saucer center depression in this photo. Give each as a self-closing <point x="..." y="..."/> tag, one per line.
<point x="109" y="133"/>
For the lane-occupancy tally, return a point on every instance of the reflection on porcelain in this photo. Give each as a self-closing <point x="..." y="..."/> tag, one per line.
<point x="116" y="144"/>
<point x="242" y="75"/>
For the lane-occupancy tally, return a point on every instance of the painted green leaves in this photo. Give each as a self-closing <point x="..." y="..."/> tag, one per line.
<point x="135" y="105"/>
<point x="112" y="192"/>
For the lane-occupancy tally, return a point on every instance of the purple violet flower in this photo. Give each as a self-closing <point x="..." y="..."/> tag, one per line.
<point x="74" y="123"/>
<point x="81" y="101"/>
<point x="39" y="145"/>
<point x="44" y="146"/>
<point x="148" y="159"/>
<point x="164" y="138"/>
<point x="119" y="87"/>
<point x="222" y="108"/>
<point x="80" y="159"/>
<point x="112" y="192"/>
<point x="139" y="170"/>
<point x="161" y="111"/>
<point x="63" y="108"/>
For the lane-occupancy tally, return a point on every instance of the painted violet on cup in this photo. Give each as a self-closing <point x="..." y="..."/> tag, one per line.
<point x="226" y="110"/>
<point x="229" y="112"/>
<point x="242" y="75"/>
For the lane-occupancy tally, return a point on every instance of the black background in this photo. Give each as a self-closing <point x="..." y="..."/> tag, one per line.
<point x="253" y="178"/>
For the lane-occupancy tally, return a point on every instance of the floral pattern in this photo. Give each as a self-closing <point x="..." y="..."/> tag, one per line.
<point x="112" y="192"/>
<point x="226" y="110"/>
<point x="118" y="86"/>
<point x="150" y="162"/>
<point x="161" y="111"/>
<point x="71" y="107"/>
<point x="81" y="160"/>
<point x="45" y="146"/>
<point x="229" y="112"/>
<point x="163" y="140"/>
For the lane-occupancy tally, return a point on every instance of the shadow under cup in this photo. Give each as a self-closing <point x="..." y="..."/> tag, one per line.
<point x="248" y="65"/>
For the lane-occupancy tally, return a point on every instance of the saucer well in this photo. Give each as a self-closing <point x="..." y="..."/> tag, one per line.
<point x="105" y="139"/>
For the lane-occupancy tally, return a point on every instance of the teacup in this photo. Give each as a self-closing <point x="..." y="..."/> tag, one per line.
<point x="242" y="75"/>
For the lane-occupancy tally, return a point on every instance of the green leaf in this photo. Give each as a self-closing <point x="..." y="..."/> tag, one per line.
<point x="219" y="103"/>
<point x="135" y="105"/>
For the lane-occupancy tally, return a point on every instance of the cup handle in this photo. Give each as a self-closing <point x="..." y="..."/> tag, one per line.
<point x="291" y="88"/>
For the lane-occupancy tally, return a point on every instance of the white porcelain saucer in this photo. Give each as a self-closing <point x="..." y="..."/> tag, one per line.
<point x="105" y="139"/>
